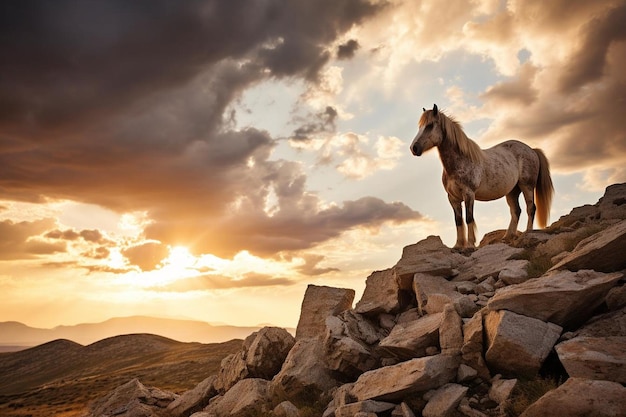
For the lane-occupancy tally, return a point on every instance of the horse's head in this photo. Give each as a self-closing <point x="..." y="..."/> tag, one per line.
<point x="430" y="132"/>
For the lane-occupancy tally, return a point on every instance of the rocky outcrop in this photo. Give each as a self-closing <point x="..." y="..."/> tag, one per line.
<point x="442" y="333"/>
<point x="133" y="399"/>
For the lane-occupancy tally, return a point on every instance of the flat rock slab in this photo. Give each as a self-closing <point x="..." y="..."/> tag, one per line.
<point x="319" y="303"/>
<point x="565" y="298"/>
<point x="518" y="345"/>
<point x="581" y="398"/>
<point x="409" y="340"/>
<point x="487" y="262"/>
<point x="433" y="293"/>
<point x="367" y="406"/>
<point x="444" y="400"/>
<point x="429" y="256"/>
<point x="193" y="400"/>
<point x="594" y="358"/>
<point x="599" y="252"/>
<point x="393" y="383"/>
<point x="380" y="295"/>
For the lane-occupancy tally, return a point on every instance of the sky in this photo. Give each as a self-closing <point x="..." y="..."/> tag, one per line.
<point x="210" y="159"/>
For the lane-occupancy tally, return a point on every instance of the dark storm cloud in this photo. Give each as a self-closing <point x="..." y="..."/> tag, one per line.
<point x="348" y="49"/>
<point x="122" y="104"/>
<point x="589" y="64"/>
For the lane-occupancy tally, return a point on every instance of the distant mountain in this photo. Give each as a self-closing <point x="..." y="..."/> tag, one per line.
<point x="63" y="377"/>
<point x="18" y="334"/>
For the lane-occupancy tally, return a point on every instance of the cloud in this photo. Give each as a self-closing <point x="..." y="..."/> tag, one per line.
<point x="348" y="49"/>
<point x="24" y="240"/>
<point x="219" y="282"/>
<point x="146" y="256"/>
<point x="310" y="266"/>
<point x="123" y="106"/>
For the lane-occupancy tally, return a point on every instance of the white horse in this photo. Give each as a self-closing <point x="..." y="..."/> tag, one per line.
<point x="470" y="173"/>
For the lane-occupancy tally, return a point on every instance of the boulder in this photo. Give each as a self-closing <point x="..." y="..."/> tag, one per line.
<point x="381" y="294"/>
<point x="444" y="400"/>
<point x="265" y="351"/>
<point x="616" y="298"/>
<point x="562" y="297"/>
<point x="392" y="383"/>
<point x="133" y="399"/>
<point x="451" y="331"/>
<point x="487" y="262"/>
<point x="599" y="251"/>
<point x="515" y="272"/>
<point x="232" y="370"/>
<point x="247" y="397"/>
<point x="612" y="205"/>
<point x="410" y="340"/>
<point x="367" y="406"/>
<point x="581" y="398"/>
<point x="472" y="349"/>
<point x="303" y="377"/>
<point x="594" y="357"/>
<point x="349" y="344"/>
<point x="193" y="400"/>
<point x="319" y="303"/>
<point x="518" y="345"/>
<point x="286" y="409"/>
<point x="429" y="256"/>
<point x="433" y="293"/>
<point x="501" y="389"/>
<point x="402" y="410"/>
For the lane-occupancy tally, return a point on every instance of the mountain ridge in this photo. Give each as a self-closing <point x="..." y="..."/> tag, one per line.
<point x="19" y="335"/>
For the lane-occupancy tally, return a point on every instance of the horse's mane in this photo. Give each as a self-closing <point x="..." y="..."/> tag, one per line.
<point x="454" y="133"/>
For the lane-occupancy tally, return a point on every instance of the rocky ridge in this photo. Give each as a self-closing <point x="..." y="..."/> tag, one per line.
<point x="441" y="333"/>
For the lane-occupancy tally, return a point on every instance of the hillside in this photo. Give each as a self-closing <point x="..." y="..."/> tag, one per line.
<point x="18" y="335"/>
<point x="61" y="377"/>
<point x="531" y="327"/>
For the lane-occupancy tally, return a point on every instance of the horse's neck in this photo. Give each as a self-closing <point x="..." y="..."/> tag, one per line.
<point x="451" y="157"/>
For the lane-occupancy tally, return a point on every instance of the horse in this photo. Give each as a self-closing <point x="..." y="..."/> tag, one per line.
<point x="470" y="173"/>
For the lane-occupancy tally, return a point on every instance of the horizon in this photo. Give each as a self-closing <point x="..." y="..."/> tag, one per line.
<point x="156" y="161"/>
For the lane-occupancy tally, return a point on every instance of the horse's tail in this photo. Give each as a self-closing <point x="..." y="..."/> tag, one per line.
<point x="544" y="190"/>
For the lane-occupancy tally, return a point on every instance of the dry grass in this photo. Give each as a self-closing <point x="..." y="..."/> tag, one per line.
<point x="527" y="392"/>
<point x="86" y="373"/>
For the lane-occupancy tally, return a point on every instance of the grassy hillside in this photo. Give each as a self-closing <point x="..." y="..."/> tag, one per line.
<point x="61" y="377"/>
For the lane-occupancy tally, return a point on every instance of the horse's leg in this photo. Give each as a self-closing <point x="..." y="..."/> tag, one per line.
<point x="458" y="220"/>
<point x="529" y="196"/>
<point x="512" y="199"/>
<point x="469" y="219"/>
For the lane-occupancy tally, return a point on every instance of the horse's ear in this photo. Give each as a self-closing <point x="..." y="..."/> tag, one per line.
<point x="435" y="110"/>
<point x="424" y="108"/>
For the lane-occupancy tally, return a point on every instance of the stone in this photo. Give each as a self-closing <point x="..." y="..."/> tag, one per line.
<point x="612" y="205"/>
<point x="501" y="389"/>
<point x="367" y="406"/>
<point x="444" y="400"/>
<point x="465" y="287"/>
<point x="265" y="351"/>
<point x="319" y="303"/>
<point x="386" y="321"/>
<point x="286" y="409"/>
<point x="303" y="375"/>
<point x="598" y="252"/>
<point x="594" y="357"/>
<point x="393" y="383"/>
<point x="429" y="256"/>
<point x="133" y="399"/>
<point x="402" y="410"/>
<point x="451" y="331"/>
<point x="232" y="370"/>
<point x="246" y="398"/>
<point x="487" y="262"/>
<point x="518" y="345"/>
<point x="562" y="297"/>
<point x="515" y="272"/>
<point x="465" y="373"/>
<point x="349" y="343"/>
<point x="581" y="398"/>
<point x="380" y="295"/>
<point x="433" y="293"/>
<point x="193" y="400"/>
<point x="472" y="349"/>
<point x="616" y="298"/>
<point x="409" y="340"/>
